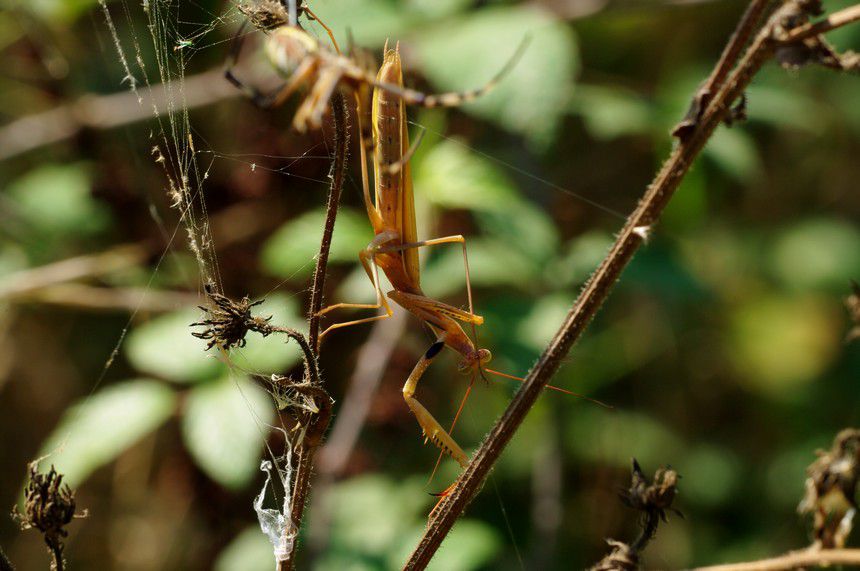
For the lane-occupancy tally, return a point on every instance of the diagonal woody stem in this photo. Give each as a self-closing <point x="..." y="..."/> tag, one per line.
<point x="634" y="233"/>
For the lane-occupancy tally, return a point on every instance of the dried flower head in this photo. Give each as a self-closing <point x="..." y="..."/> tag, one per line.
<point x="229" y="321"/>
<point x="49" y="505"/>
<point x="656" y="497"/>
<point x="831" y="488"/>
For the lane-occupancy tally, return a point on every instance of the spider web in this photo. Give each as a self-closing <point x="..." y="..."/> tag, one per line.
<point x="174" y="147"/>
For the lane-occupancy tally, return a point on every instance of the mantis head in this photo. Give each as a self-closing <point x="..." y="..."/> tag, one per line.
<point x="475" y="361"/>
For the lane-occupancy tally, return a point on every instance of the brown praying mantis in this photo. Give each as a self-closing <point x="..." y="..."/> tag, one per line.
<point x="394" y="249"/>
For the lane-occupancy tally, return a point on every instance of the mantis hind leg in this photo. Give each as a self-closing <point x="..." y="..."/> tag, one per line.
<point x="433" y="431"/>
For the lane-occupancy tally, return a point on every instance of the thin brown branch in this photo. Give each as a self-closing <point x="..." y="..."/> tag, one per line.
<point x="108" y="112"/>
<point x="739" y="39"/>
<point x="636" y="230"/>
<point x="338" y="172"/>
<point x="794" y="560"/>
<point x="307" y="452"/>
<point x="91" y="265"/>
<point x="828" y="24"/>
<point x="90" y="298"/>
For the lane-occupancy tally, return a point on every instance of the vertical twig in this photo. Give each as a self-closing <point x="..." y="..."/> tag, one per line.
<point x="636" y="230"/>
<point x="338" y="172"/>
<point x="307" y="452"/>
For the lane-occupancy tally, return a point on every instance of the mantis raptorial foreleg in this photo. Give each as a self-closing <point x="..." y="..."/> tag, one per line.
<point x="433" y="431"/>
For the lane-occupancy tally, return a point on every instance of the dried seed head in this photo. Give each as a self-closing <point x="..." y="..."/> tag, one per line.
<point x="49" y="505"/>
<point x="831" y="488"/>
<point x="652" y="498"/>
<point x="229" y="321"/>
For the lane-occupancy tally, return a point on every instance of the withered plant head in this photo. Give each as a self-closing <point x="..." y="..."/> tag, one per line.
<point x="49" y="505"/>
<point x="652" y="498"/>
<point x="229" y="321"/>
<point x="622" y="557"/>
<point x="831" y="489"/>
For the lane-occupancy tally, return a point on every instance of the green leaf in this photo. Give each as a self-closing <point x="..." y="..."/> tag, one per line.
<point x="470" y="545"/>
<point x="711" y="475"/>
<point x="165" y="347"/>
<point x="598" y="435"/>
<point x="463" y="53"/>
<point x="820" y="254"/>
<point x="491" y="263"/>
<point x="734" y="151"/>
<point x="784" y="106"/>
<point x="369" y="21"/>
<point x="56" y="200"/>
<point x="248" y="550"/>
<point x="779" y="344"/>
<point x="451" y="175"/>
<point x="224" y="427"/>
<point x="522" y="228"/>
<point x="275" y="352"/>
<point x="611" y="112"/>
<point x="99" y="428"/>
<point x="372" y="515"/>
<point x="579" y="259"/>
<point x="52" y="11"/>
<point x="290" y="252"/>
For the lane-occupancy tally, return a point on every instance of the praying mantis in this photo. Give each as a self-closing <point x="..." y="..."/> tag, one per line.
<point x="394" y="249"/>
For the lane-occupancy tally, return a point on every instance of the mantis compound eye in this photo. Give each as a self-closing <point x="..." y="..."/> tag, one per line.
<point x="484" y="356"/>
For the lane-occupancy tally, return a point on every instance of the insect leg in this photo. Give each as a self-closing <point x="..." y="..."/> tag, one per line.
<point x="451" y="99"/>
<point x="367" y="258"/>
<point x="458" y="239"/>
<point x="433" y="431"/>
<point x="313" y="107"/>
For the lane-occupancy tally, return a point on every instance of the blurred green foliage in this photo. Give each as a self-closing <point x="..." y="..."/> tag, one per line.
<point x="721" y="348"/>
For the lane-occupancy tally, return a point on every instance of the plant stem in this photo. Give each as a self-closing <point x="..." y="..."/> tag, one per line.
<point x="740" y="37"/>
<point x="338" y="172"/>
<point x="307" y="452"/>
<point x="57" y="563"/>
<point x="794" y="560"/>
<point x="636" y="230"/>
<point x="836" y="20"/>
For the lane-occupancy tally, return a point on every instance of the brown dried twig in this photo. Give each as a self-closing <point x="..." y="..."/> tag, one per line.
<point x="794" y="560"/>
<point x="314" y="437"/>
<point x="631" y="237"/>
